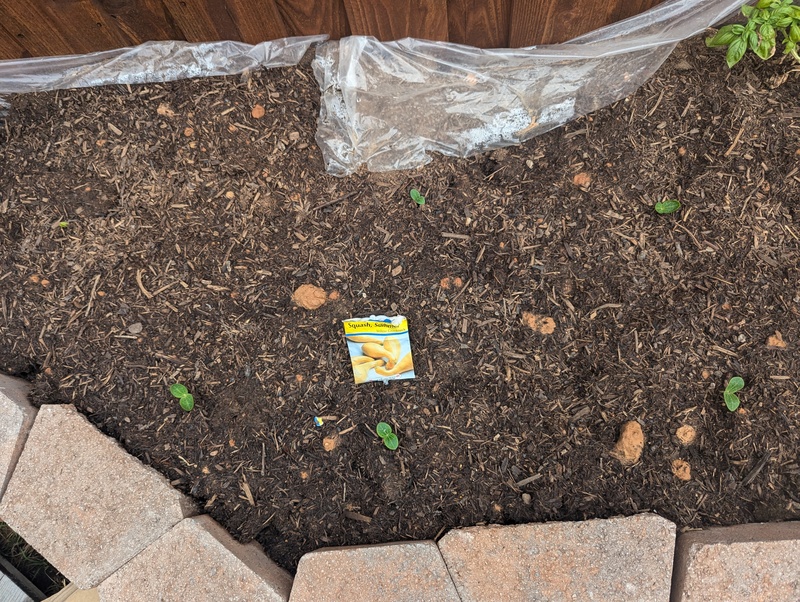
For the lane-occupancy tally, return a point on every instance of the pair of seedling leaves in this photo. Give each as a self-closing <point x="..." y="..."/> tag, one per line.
<point x="185" y="399"/>
<point x="390" y="440"/>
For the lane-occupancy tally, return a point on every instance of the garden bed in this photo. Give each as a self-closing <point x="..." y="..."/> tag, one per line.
<point x="156" y="233"/>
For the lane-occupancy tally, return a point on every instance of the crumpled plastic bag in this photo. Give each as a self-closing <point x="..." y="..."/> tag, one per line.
<point x="388" y="105"/>
<point x="149" y="62"/>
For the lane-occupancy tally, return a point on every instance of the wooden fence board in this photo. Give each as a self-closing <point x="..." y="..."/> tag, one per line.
<point x="257" y="20"/>
<point x="481" y="23"/>
<point x="552" y="21"/>
<point x="555" y="21"/>
<point x="630" y="8"/>
<point x="9" y="49"/>
<point x="142" y="20"/>
<point x="84" y="25"/>
<point x="392" y="20"/>
<point x="46" y="27"/>
<point x="311" y="17"/>
<point x="53" y="27"/>
<point x="203" y="20"/>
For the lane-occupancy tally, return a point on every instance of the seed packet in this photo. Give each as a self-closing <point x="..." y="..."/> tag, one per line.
<point x="379" y="347"/>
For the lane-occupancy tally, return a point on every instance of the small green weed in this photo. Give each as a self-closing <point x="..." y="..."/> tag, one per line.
<point x="765" y="21"/>
<point x="417" y="197"/>
<point x="185" y="399"/>
<point x="667" y="207"/>
<point x="384" y="431"/>
<point x="735" y="385"/>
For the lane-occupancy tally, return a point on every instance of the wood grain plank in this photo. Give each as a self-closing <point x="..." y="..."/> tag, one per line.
<point x="392" y="20"/>
<point x="9" y="48"/>
<point x="553" y="21"/>
<point x="203" y="20"/>
<point x="51" y="27"/>
<point x="257" y="20"/>
<point x="481" y="23"/>
<point x="310" y="17"/>
<point x="630" y="8"/>
<point x="142" y="20"/>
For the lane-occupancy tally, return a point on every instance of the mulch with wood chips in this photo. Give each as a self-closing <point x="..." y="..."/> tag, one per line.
<point x="155" y="234"/>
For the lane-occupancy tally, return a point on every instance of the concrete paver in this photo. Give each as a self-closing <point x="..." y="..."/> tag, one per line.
<point x="756" y="562"/>
<point x="198" y="560"/>
<point x="82" y="501"/>
<point x="16" y="418"/>
<point x="400" y="572"/>
<point x="605" y="560"/>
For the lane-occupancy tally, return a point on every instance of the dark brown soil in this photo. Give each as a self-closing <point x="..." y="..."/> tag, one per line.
<point x="182" y="247"/>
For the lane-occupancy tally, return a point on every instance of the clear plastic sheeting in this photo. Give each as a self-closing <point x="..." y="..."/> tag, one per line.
<point x="388" y="105"/>
<point x="149" y="62"/>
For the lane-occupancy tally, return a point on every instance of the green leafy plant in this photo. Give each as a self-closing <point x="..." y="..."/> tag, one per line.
<point x="63" y="224"/>
<point x="765" y="21"/>
<point x="667" y="207"/>
<point x="417" y="197"/>
<point x="390" y="440"/>
<point x="185" y="399"/>
<point x="735" y="385"/>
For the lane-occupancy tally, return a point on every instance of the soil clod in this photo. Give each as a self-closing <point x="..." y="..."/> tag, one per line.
<point x="309" y="296"/>
<point x="682" y="470"/>
<point x="686" y="434"/>
<point x="629" y="446"/>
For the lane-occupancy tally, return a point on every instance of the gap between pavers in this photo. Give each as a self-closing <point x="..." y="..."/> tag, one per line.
<point x="758" y="562"/>
<point x="16" y="419"/>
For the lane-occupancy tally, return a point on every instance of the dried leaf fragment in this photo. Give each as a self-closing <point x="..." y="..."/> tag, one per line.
<point x="582" y="179"/>
<point x="776" y="341"/>
<point x="165" y="110"/>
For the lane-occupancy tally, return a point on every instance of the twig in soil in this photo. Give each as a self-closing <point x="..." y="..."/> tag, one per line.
<point x="357" y="516"/>
<point x="92" y="294"/>
<point x="694" y="239"/>
<point x="334" y="201"/>
<point x="593" y="313"/>
<point x="751" y="476"/>
<point x="736" y="139"/>
<point x="145" y="292"/>
<point x="724" y="351"/>
<point x="248" y="494"/>
<point x="455" y="235"/>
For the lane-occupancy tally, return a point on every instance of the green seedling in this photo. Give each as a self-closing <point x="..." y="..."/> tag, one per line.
<point x="735" y="385"/>
<point x="390" y="440"/>
<point x="417" y="197"/>
<point x="667" y="207"/>
<point x="765" y="21"/>
<point x="63" y="224"/>
<point x="185" y="399"/>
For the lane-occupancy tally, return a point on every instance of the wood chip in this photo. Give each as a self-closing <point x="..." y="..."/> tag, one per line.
<point x="357" y="516"/>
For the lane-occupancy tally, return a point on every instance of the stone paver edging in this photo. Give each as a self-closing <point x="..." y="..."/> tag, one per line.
<point x="104" y="519"/>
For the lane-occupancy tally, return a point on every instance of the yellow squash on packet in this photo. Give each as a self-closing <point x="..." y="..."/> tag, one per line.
<point x="380" y="348"/>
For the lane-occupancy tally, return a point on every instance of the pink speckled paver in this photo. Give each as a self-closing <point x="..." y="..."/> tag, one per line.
<point x="607" y="560"/>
